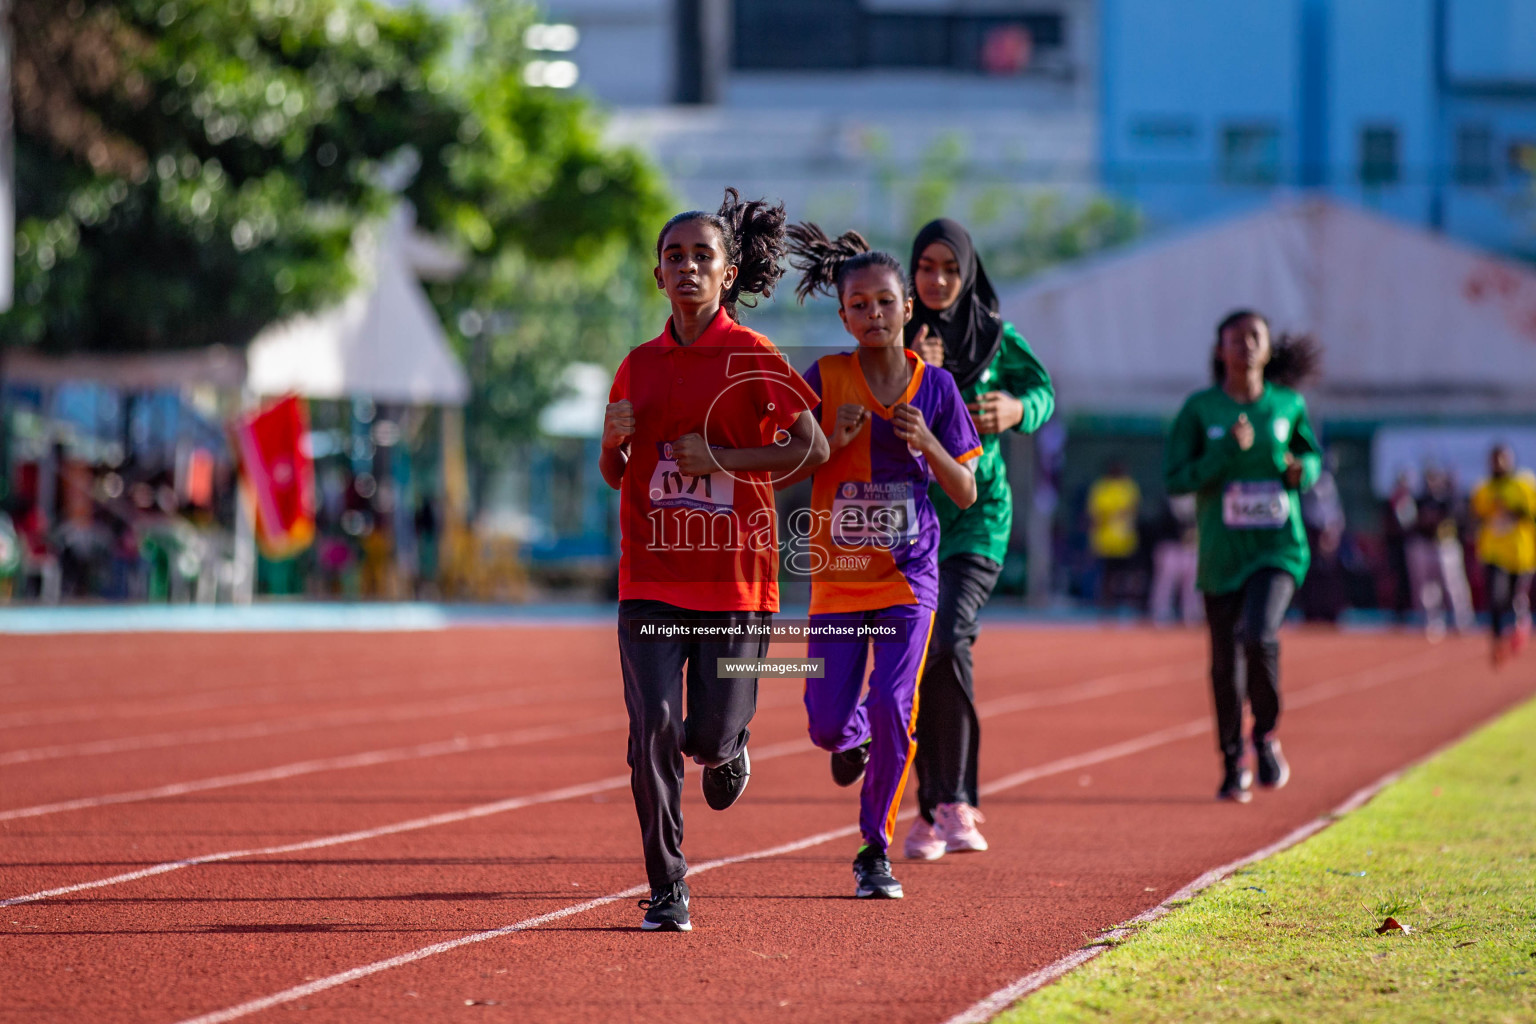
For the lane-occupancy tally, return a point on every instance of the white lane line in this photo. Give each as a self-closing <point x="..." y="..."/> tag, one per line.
<point x="415" y="824"/>
<point x="1311" y="695"/>
<point x="122" y="709"/>
<point x="785" y="748"/>
<point x="118" y="708"/>
<point x="1113" y="751"/>
<point x="1067" y="694"/>
<point x="321" y="984"/>
<point x="279" y="726"/>
<point x="1105" y="686"/>
<point x="202" y="684"/>
<point x="782" y="749"/>
<point x="985" y="1009"/>
<point x="457" y="745"/>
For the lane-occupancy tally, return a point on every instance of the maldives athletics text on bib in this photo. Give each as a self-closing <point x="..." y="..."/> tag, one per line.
<point x="672" y="488"/>
<point x="880" y="513"/>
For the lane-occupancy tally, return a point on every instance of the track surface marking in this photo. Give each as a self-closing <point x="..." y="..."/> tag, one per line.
<point x="515" y="865"/>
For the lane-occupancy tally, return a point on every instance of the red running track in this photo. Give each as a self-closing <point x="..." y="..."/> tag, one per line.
<point x="239" y="827"/>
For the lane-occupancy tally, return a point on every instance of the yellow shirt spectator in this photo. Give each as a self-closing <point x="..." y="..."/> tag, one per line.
<point x="1112" y="505"/>
<point x="1505" y="507"/>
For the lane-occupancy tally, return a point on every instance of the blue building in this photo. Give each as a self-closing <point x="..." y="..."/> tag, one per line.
<point x="1421" y="109"/>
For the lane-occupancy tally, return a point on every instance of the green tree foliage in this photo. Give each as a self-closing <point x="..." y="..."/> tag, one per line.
<point x="189" y="171"/>
<point x="1019" y="231"/>
<point x="1054" y="231"/>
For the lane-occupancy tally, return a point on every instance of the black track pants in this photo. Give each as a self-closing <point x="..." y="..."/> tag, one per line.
<point x="1245" y="655"/>
<point x="948" y="733"/>
<point x="1507" y="596"/>
<point x="713" y="732"/>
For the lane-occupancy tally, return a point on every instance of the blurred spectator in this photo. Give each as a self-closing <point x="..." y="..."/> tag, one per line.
<point x="82" y="541"/>
<point x="37" y="558"/>
<point x="1322" y="596"/>
<point x="1437" y="567"/>
<point x="1174" y="561"/>
<point x="426" y="547"/>
<point x="10" y="555"/>
<point x="1114" y="501"/>
<point x="1399" y="513"/>
<point x="1505" y="507"/>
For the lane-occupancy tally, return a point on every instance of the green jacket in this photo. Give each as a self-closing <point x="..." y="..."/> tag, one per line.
<point x="1248" y="519"/>
<point x="984" y="528"/>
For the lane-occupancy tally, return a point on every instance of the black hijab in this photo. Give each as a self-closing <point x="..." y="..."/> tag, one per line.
<point x="971" y="328"/>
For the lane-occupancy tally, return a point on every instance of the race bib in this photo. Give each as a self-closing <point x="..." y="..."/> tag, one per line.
<point x="672" y="488"/>
<point x="1255" y="505"/>
<point x="882" y="514"/>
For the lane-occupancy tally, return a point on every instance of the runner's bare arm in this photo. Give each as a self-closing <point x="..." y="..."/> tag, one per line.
<point x="958" y="480"/>
<point x="618" y="427"/>
<point x="996" y="411"/>
<point x="804" y="448"/>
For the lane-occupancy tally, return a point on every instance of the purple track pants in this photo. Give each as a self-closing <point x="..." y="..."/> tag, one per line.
<point x="887" y="717"/>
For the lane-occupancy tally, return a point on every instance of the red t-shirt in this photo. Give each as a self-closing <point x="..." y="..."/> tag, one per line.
<point x="706" y="543"/>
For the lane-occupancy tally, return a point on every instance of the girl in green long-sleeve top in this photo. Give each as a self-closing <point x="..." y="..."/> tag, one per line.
<point x="1245" y="448"/>
<point x="955" y="324"/>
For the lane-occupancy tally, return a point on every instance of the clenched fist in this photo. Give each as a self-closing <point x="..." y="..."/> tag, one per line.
<point x="850" y="420"/>
<point x="929" y="346"/>
<point x="995" y="412"/>
<point x="618" y="424"/>
<point x="908" y="423"/>
<point x="1242" y="432"/>
<point x="692" y="454"/>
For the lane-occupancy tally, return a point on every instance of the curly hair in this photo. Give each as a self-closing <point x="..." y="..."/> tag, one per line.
<point x="1295" y="360"/>
<point x="752" y="234"/>
<point x="824" y="263"/>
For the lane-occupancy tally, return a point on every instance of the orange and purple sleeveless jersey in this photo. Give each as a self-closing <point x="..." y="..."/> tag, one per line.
<point x="873" y="539"/>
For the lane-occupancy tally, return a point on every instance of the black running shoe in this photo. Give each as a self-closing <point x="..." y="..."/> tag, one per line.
<point x="848" y="765"/>
<point x="1274" y="771"/>
<point x="667" y="909"/>
<point x="1236" y="781"/>
<point x="724" y="784"/>
<point x="872" y="872"/>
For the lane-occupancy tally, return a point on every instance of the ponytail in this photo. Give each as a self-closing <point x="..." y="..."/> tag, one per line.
<point x="753" y="236"/>
<point x="824" y="262"/>
<point x="1295" y="360"/>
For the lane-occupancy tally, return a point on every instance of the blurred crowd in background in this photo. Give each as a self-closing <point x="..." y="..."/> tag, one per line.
<point x="1414" y="561"/>
<point x="434" y="225"/>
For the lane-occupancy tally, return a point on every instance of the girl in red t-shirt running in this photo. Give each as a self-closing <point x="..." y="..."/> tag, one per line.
<point x="700" y="421"/>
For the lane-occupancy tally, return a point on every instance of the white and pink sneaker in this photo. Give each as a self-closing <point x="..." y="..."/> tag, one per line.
<point x="923" y="842"/>
<point x="955" y="825"/>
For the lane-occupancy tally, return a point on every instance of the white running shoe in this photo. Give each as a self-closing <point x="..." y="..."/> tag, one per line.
<point x="956" y="826"/>
<point x="923" y="842"/>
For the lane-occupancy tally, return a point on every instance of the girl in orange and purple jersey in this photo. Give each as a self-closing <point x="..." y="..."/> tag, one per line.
<point x="895" y="425"/>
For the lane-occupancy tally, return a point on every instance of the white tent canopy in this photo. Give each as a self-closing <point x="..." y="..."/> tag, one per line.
<point x="383" y="342"/>
<point x="1410" y="323"/>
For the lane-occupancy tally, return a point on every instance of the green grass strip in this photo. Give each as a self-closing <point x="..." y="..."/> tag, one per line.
<point x="1450" y="851"/>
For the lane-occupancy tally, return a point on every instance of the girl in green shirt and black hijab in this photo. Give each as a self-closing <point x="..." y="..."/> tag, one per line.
<point x="1245" y="448"/>
<point x="955" y="324"/>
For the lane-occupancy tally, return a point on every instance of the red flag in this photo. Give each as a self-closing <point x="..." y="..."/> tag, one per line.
<point x="279" y="475"/>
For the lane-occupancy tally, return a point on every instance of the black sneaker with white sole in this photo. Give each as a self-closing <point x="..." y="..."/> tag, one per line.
<point x="848" y="765"/>
<point x="724" y="783"/>
<point x="1236" y="783"/>
<point x="1274" y="770"/>
<point x="872" y="872"/>
<point x="667" y="909"/>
